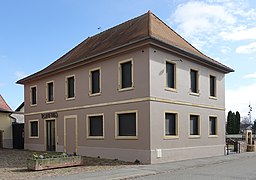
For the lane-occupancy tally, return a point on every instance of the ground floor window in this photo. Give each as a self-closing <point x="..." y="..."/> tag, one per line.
<point x="126" y="124"/>
<point x="171" y="124"/>
<point x="95" y="125"/>
<point x="212" y="126"/>
<point x="194" y="125"/>
<point x="33" y="129"/>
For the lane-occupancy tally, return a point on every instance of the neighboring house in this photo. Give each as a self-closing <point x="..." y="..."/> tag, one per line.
<point x="5" y="124"/>
<point x="18" y="127"/>
<point x="18" y="114"/>
<point x="135" y="91"/>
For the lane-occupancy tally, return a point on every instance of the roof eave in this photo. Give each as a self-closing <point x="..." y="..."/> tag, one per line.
<point x="194" y="56"/>
<point x="105" y="53"/>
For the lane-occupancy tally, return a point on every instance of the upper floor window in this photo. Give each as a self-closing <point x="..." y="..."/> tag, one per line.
<point x="194" y="125"/>
<point x="171" y="124"/>
<point x="212" y="86"/>
<point x="212" y="125"/>
<point x="95" y="81"/>
<point x="126" y="75"/>
<point x="126" y="125"/>
<point x="194" y="81"/>
<point x="70" y="87"/>
<point x="170" y="75"/>
<point x="50" y="91"/>
<point x="33" y="95"/>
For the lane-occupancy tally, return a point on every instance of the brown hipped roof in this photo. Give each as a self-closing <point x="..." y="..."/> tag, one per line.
<point x="4" y="106"/>
<point x="146" y="26"/>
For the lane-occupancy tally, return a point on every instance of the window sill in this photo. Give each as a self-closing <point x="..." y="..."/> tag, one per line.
<point x="170" y="137"/>
<point x="213" y="97"/>
<point x="213" y="136"/>
<point x="95" y="137"/>
<point x="194" y="94"/>
<point x="95" y="94"/>
<point x="69" y="99"/>
<point x="171" y="89"/>
<point x="49" y="102"/>
<point x="194" y="136"/>
<point x="126" y="138"/>
<point x="33" y="137"/>
<point x="126" y="89"/>
<point x="33" y="105"/>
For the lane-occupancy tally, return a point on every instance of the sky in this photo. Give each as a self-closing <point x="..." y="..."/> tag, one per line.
<point x="33" y="34"/>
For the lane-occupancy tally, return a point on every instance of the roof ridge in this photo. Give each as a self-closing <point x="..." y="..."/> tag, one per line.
<point x="149" y="23"/>
<point x="118" y="25"/>
<point x="178" y="34"/>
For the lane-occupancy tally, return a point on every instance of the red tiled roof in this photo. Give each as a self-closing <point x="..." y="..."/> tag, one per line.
<point x="146" y="26"/>
<point x="4" y="106"/>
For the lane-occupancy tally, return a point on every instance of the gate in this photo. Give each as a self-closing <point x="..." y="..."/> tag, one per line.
<point x="18" y="136"/>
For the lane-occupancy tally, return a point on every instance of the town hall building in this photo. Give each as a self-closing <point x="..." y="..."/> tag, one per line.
<point x="137" y="91"/>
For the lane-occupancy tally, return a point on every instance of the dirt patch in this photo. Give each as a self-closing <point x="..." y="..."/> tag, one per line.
<point x="13" y="166"/>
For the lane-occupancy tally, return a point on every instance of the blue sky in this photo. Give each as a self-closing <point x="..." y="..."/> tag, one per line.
<point x="33" y="34"/>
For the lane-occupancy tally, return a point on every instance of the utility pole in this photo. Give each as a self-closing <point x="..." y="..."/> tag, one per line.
<point x="250" y="117"/>
<point x="249" y="113"/>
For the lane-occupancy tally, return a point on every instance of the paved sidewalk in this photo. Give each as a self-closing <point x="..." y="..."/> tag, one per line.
<point x="147" y="170"/>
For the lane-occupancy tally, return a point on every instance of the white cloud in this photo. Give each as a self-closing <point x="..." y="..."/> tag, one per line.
<point x="239" y="99"/>
<point x="225" y="49"/>
<point x="247" y="49"/>
<point x="209" y="22"/>
<point x="240" y="34"/>
<point x="196" y="16"/>
<point x="20" y="75"/>
<point x="252" y="75"/>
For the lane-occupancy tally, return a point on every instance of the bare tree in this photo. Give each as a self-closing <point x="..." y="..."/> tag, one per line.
<point x="246" y="120"/>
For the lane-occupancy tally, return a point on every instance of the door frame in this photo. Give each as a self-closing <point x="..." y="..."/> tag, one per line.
<point x="45" y="133"/>
<point x="65" y="132"/>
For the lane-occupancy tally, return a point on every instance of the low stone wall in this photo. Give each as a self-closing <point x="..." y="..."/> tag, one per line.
<point x="50" y="163"/>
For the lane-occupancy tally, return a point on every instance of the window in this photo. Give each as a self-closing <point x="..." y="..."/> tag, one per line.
<point x="33" y="95"/>
<point x="194" y="81"/>
<point x="95" y="126"/>
<point x="95" y="81"/>
<point x="49" y="90"/>
<point x="212" y="126"/>
<point x="33" y="129"/>
<point x="126" y="124"/>
<point x="194" y="125"/>
<point x="171" y="124"/>
<point x="170" y="75"/>
<point x="213" y="86"/>
<point x="70" y="83"/>
<point x="125" y="75"/>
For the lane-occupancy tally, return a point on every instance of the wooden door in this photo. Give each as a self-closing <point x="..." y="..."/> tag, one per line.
<point x="70" y="134"/>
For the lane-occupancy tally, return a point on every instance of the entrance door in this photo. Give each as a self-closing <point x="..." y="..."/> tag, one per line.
<point x="50" y="135"/>
<point x="18" y="136"/>
<point x="70" y="132"/>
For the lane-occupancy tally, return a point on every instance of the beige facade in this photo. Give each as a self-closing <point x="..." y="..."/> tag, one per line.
<point x="5" y="124"/>
<point x="6" y="128"/>
<point x="63" y="124"/>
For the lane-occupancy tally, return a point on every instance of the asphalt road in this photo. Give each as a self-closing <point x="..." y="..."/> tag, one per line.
<point x="229" y="170"/>
<point x="233" y="167"/>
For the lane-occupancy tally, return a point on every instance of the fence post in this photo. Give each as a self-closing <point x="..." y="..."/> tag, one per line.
<point x="227" y="150"/>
